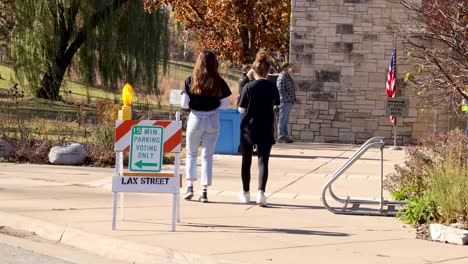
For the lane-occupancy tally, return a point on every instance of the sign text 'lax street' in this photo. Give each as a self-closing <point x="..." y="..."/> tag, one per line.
<point x="144" y="180"/>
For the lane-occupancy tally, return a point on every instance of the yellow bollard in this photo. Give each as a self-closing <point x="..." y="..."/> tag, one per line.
<point x="127" y="95"/>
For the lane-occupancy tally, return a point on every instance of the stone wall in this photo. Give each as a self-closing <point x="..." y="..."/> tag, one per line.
<point x="341" y="50"/>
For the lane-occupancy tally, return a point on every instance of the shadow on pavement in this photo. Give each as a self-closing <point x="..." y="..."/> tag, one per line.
<point x="270" y="205"/>
<point x="312" y="157"/>
<point x="227" y="229"/>
<point x="294" y="206"/>
<point x="255" y="229"/>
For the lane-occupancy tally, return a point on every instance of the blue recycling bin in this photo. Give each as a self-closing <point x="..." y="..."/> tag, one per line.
<point x="229" y="134"/>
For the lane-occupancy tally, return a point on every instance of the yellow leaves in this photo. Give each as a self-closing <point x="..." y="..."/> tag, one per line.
<point x="464" y="107"/>
<point x="420" y="68"/>
<point x="409" y="77"/>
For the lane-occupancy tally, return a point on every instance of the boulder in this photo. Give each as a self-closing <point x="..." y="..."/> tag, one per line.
<point x="68" y="154"/>
<point x="449" y="234"/>
<point x="5" y="149"/>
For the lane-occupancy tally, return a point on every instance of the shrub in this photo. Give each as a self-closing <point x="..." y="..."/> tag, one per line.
<point x="448" y="187"/>
<point x="106" y="111"/>
<point x="99" y="155"/>
<point x="400" y="195"/>
<point x="434" y="180"/>
<point x="419" y="210"/>
<point x="104" y="132"/>
<point x="31" y="150"/>
<point x="413" y="177"/>
<point x="104" y="135"/>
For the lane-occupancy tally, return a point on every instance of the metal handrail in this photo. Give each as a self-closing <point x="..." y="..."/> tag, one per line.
<point x="375" y="141"/>
<point x="368" y="144"/>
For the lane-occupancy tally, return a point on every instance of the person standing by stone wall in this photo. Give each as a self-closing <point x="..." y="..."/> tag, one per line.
<point x="287" y="93"/>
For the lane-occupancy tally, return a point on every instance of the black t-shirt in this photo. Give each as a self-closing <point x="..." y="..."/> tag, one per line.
<point x="258" y="98"/>
<point x="203" y="102"/>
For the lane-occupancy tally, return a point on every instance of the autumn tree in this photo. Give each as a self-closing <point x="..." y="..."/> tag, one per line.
<point x="438" y="41"/>
<point x="183" y="44"/>
<point x="7" y="21"/>
<point x="235" y="29"/>
<point x="117" y="41"/>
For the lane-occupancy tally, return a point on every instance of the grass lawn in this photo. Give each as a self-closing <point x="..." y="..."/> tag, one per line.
<point x="69" y="89"/>
<point x="72" y="118"/>
<point x="182" y="72"/>
<point x="5" y="73"/>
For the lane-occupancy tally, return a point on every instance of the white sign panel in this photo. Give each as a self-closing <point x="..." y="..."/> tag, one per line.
<point x="145" y="184"/>
<point x="146" y="148"/>
<point x="175" y="97"/>
<point x="398" y="106"/>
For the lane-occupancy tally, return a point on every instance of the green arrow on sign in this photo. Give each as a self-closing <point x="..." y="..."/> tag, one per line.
<point x="140" y="164"/>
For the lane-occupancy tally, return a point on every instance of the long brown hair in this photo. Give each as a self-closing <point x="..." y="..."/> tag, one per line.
<point x="205" y="77"/>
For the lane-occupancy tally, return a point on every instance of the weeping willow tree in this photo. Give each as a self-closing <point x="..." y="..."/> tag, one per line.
<point x="115" y="41"/>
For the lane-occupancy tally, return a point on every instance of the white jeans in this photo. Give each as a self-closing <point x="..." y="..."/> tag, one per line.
<point x="202" y="127"/>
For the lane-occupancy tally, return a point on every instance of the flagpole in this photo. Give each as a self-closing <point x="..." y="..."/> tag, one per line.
<point x="395" y="147"/>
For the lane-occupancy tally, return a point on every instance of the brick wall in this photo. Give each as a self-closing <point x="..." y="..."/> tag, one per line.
<point x="342" y="51"/>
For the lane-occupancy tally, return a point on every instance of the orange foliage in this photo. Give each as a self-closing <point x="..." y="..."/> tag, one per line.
<point x="235" y="29"/>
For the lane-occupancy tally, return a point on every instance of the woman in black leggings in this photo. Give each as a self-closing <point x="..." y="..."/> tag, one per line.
<point x="257" y="127"/>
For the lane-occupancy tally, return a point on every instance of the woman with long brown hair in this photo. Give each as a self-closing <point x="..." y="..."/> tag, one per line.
<point x="204" y="92"/>
<point x="257" y="127"/>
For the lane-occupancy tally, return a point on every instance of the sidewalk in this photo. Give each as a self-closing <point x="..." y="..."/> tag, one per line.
<point x="73" y="205"/>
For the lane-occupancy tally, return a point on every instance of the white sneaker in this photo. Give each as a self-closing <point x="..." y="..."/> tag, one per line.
<point x="261" y="199"/>
<point x="244" y="197"/>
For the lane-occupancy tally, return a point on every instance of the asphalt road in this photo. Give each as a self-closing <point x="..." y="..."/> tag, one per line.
<point x="29" y="250"/>
<point x="15" y="255"/>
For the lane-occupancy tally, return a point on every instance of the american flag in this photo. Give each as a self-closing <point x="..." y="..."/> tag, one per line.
<point x="391" y="82"/>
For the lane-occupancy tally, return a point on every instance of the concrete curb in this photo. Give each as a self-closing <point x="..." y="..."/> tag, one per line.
<point x="104" y="246"/>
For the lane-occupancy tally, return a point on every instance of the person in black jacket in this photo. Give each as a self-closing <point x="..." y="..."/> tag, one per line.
<point x="243" y="79"/>
<point x="257" y="127"/>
